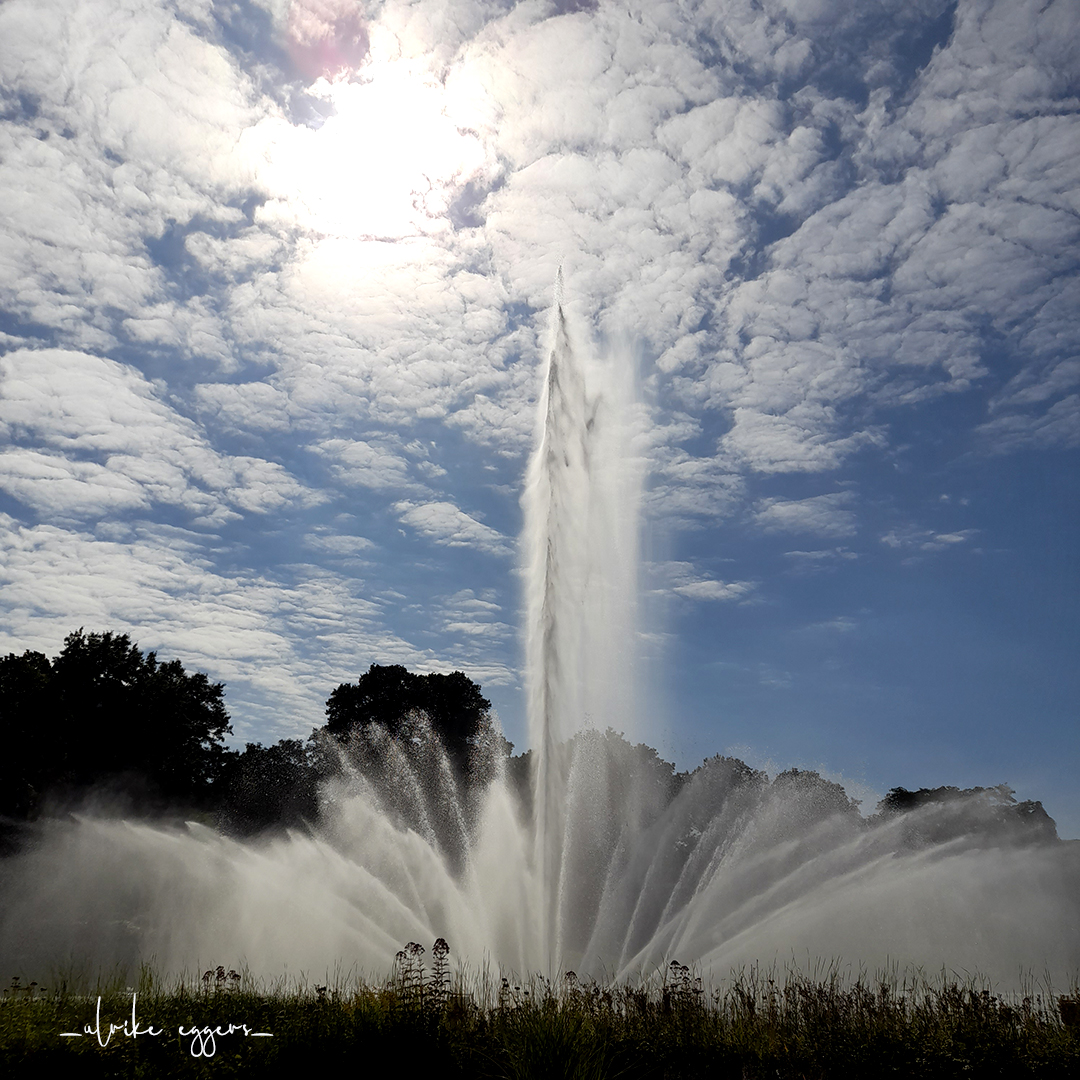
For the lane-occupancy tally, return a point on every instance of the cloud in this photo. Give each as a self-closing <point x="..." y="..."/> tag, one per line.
<point x="443" y="523"/>
<point x="813" y="218"/>
<point x="822" y="554"/>
<point x="688" y="487"/>
<point x="1058" y="427"/>
<point x="134" y="124"/>
<point x="653" y="171"/>
<point x="682" y="579"/>
<point x="842" y="624"/>
<point x="911" y="536"/>
<point x="389" y="337"/>
<point x="818" y="561"/>
<point x="356" y="463"/>
<point x="52" y="484"/>
<point x="798" y="441"/>
<point x="1033" y="386"/>
<point x="821" y="515"/>
<point x="714" y="590"/>
<point x="97" y="439"/>
<point x="234" y="408"/>
<point x="326" y="37"/>
<point x="337" y="544"/>
<point x="280" y="640"/>
<point x="885" y="288"/>
<point x="475" y="621"/>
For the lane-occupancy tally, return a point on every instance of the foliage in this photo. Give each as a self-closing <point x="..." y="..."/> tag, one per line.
<point x="821" y="798"/>
<point x="948" y="812"/>
<point x="392" y="696"/>
<point x="25" y="708"/>
<point x="269" y="787"/>
<point x="102" y="713"/>
<point x="757" y="1024"/>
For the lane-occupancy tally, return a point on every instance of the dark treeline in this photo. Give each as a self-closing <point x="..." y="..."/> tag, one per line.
<point x="102" y="715"/>
<point x="104" y="725"/>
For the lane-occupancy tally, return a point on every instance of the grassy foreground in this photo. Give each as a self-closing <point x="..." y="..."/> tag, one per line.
<point x="417" y="1023"/>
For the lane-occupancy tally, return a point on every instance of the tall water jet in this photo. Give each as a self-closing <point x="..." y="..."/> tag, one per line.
<point x="581" y="543"/>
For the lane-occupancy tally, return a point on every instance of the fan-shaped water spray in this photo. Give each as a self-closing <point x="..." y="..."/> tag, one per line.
<point x="617" y="867"/>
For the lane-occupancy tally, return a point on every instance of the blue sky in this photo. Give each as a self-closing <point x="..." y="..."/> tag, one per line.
<point x="274" y="283"/>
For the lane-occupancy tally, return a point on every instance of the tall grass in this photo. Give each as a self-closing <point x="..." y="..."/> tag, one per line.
<point x="758" y="1023"/>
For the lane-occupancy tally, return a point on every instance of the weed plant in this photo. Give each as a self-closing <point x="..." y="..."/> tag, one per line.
<point x="758" y="1023"/>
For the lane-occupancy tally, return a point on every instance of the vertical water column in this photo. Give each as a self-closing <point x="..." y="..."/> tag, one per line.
<point x="556" y="503"/>
<point x="581" y="504"/>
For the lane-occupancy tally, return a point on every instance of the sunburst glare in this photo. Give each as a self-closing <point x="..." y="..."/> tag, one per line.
<point x="386" y="164"/>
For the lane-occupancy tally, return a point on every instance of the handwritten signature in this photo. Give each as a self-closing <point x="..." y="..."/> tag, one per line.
<point x="203" y="1039"/>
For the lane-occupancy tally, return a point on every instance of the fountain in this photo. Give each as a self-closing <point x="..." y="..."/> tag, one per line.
<point x="613" y="872"/>
<point x="581" y="530"/>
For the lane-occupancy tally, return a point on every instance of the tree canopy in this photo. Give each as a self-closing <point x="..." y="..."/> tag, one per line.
<point x="102" y="712"/>
<point x="269" y="787"/>
<point x="950" y="811"/>
<point x="391" y="696"/>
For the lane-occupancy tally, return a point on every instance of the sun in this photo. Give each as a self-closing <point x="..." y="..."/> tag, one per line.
<point x="388" y="161"/>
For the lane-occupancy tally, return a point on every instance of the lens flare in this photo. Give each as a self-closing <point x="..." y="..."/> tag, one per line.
<point x="326" y="37"/>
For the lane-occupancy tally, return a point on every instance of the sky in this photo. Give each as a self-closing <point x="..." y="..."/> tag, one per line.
<point x="275" y="291"/>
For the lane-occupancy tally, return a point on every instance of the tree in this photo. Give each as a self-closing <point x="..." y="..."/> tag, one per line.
<point x="817" y="799"/>
<point x="945" y="813"/>
<point x="26" y="716"/>
<point x="391" y="696"/>
<point x="269" y="787"/>
<point x="102" y="713"/>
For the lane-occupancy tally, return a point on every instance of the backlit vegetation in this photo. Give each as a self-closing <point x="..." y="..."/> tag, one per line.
<point x="756" y="1023"/>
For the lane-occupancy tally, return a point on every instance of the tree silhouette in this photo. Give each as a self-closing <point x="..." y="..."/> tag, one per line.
<point x="27" y="722"/>
<point x="269" y="787"/>
<point x="391" y="696"/>
<point x="102" y="713"/>
<point x="944" y="813"/>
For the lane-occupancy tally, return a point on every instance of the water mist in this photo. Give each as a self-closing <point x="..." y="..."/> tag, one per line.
<point x="613" y="872"/>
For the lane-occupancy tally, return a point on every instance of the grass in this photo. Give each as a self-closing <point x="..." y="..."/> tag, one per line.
<point x="757" y="1024"/>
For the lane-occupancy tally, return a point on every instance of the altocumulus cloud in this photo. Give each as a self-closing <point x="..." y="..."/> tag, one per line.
<point x="97" y="437"/>
<point x="235" y="358"/>
<point x="444" y="523"/>
<point x="821" y="515"/>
